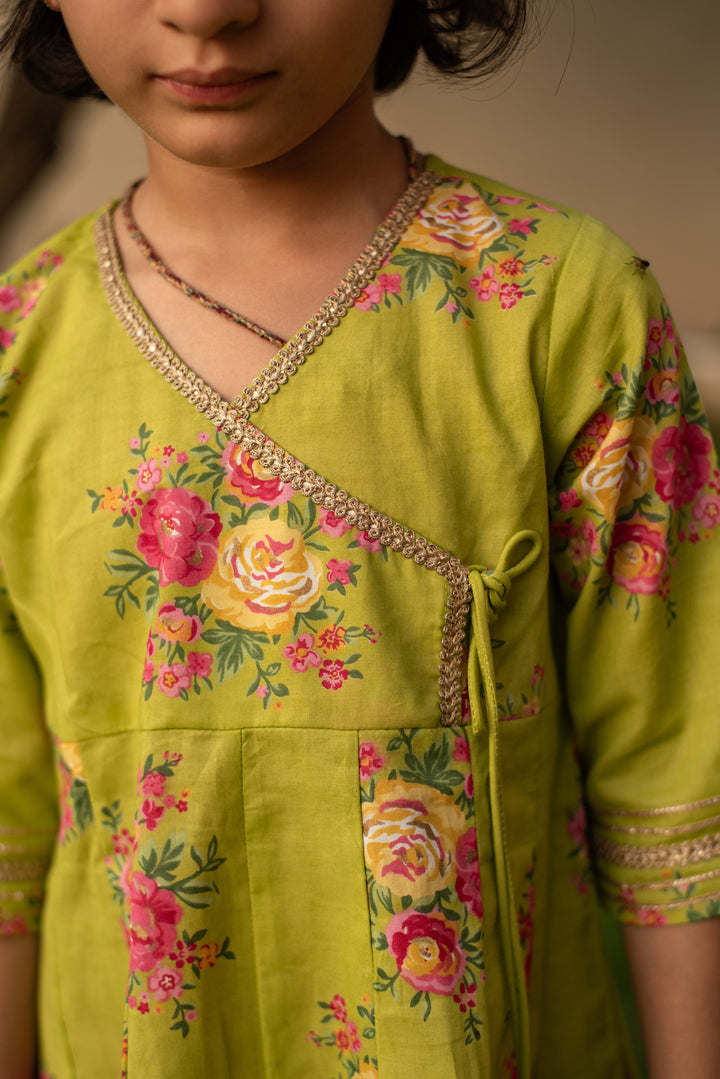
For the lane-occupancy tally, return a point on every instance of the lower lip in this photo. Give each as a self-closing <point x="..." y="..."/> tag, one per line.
<point x="223" y="94"/>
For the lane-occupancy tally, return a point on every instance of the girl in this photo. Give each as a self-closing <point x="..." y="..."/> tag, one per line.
<point x="332" y="671"/>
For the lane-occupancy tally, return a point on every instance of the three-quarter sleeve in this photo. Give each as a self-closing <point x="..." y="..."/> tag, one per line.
<point x="28" y="814"/>
<point x="635" y="537"/>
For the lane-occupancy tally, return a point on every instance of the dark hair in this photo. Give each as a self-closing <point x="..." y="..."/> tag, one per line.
<point x="469" y="38"/>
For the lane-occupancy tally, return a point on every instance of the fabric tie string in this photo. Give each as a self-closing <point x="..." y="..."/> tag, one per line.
<point x="490" y="589"/>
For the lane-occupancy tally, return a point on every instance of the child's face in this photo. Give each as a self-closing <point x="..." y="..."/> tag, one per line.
<point x="287" y="68"/>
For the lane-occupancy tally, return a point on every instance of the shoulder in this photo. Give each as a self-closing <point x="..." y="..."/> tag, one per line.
<point x="46" y="270"/>
<point x="54" y="279"/>
<point x="507" y="218"/>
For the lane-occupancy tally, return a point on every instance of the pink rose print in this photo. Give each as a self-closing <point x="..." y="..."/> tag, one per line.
<point x="332" y="525"/>
<point x="426" y="951"/>
<point x="706" y="511"/>
<point x="199" y="664"/>
<point x="152" y="812"/>
<point x="333" y="673"/>
<point x="370" y="760"/>
<point x="390" y="282"/>
<point x="9" y="298"/>
<point x="467" y="881"/>
<point x="461" y="749"/>
<point x="368" y="542"/>
<point x="148" y="672"/>
<point x="149" y="475"/>
<point x="173" y="624"/>
<point x="664" y="386"/>
<point x="173" y="677"/>
<point x="302" y="654"/>
<point x="165" y="983"/>
<point x="510" y="294"/>
<point x="510" y="200"/>
<point x="134" y="443"/>
<point x="254" y="482"/>
<point x="577" y="829"/>
<point x="655" y="336"/>
<point x="179" y="534"/>
<point x="637" y="557"/>
<point x="371" y="296"/>
<point x="154" y="785"/>
<point x="522" y="226"/>
<point x="154" y="913"/>
<point x="338" y="571"/>
<point x="485" y="285"/>
<point x="569" y="500"/>
<point x="6" y="338"/>
<point x="339" y="1008"/>
<point x="681" y="460"/>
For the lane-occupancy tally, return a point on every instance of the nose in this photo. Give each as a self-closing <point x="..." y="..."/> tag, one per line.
<point x="208" y="18"/>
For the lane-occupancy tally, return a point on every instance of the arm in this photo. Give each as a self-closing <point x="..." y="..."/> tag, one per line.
<point x="676" y="974"/>
<point x="18" y="977"/>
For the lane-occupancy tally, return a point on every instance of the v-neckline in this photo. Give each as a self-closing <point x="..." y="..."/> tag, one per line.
<point x="148" y="339"/>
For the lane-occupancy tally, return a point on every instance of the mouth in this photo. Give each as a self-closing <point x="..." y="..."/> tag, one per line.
<point x="213" y="87"/>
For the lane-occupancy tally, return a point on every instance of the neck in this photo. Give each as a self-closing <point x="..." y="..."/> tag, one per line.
<point x="283" y="202"/>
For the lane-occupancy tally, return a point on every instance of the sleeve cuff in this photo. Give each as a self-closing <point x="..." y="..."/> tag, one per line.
<point x="24" y="863"/>
<point x="659" y="866"/>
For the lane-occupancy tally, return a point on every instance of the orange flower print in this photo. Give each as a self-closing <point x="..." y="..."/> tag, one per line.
<point x="111" y="498"/>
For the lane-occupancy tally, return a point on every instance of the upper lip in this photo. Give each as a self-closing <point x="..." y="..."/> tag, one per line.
<point x="226" y="76"/>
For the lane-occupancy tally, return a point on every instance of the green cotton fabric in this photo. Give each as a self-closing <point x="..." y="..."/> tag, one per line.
<point x="227" y="799"/>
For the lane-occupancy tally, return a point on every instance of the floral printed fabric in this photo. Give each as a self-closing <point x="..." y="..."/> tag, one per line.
<point x="223" y="663"/>
<point x="157" y="881"/>
<point x="639" y="481"/>
<point x="254" y="574"/>
<point x="421" y="859"/>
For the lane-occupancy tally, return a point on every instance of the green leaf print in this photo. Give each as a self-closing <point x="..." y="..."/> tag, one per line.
<point x="234" y="645"/>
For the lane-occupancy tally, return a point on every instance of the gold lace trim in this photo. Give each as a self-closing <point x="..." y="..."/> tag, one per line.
<point x="13" y="849"/>
<point x="677" y="829"/>
<point x="6" y="830"/>
<point x="676" y="904"/>
<point x="13" y="871"/>
<point x="678" y="882"/>
<point x="606" y="811"/>
<point x="233" y="421"/>
<point x="285" y="363"/>
<point x="663" y="856"/>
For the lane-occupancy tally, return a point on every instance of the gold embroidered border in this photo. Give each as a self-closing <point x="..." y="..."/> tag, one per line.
<point x="233" y="421"/>
<point x="679" y="882"/>
<point x="6" y="896"/>
<point x="677" y="904"/>
<point x="13" y="871"/>
<point x="606" y="811"/>
<point x="663" y="856"/>
<point x="285" y="363"/>
<point x="13" y="849"/>
<point x="6" y="830"/>
<point x="678" y="829"/>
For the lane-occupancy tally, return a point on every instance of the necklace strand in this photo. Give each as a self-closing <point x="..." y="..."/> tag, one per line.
<point x="414" y="163"/>
<point x="189" y="290"/>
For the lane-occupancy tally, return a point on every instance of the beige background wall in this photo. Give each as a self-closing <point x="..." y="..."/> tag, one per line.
<point x="615" y="111"/>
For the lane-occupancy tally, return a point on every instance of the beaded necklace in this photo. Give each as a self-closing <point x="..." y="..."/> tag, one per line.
<point x="414" y="164"/>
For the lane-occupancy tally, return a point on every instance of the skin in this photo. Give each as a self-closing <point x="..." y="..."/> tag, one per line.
<point x="251" y="179"/>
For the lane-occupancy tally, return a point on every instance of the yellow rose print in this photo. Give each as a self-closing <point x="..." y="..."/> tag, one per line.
<point x="411" y="832"/>
<point x="461" y="222"/>
<point x="264" y="576"/>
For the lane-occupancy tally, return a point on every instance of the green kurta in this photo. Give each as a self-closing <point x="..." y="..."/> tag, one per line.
<point x="334" y="677"/>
